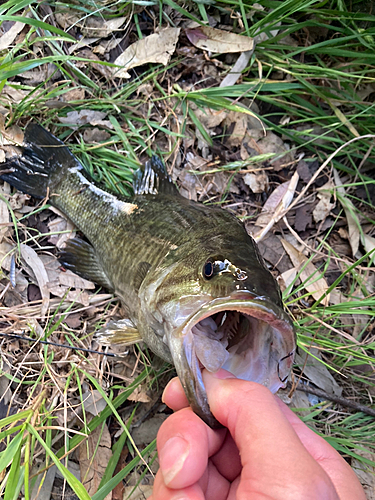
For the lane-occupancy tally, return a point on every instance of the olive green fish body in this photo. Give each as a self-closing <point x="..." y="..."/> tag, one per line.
<point x="191" y="279"/>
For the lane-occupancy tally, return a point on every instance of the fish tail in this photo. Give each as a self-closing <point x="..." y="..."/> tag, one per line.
<point x="38" y="164"/>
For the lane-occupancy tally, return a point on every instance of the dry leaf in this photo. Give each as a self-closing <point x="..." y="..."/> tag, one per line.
<point x="352" y="219"/>
<point x="239" y="130"/>
<point x="4" y="220"/>
<point x="11" y="136"/>
<point x="94" y="455"/>
<point x="324" y="206"/>
<point x="365" y="472"/>
<point x="101" y="28"/>
<point x="276" y="205"/>
<point x="44" y="484"/>
<point x="93" y="402"/>
<point x="16" y="95"/>
<point x="95" y="135"/>
<point x="76" y="118"/>
<point x="60" y="283"/>
<point x="235" y="73"/>
<point x="9" y="36"/>
<point x="369" y="244"/>
<point x="258" y="183"/>
<point x="210" y="118"/>
<point x="139" y="395"/>
<point x="309" y="275"/>
<point x="317" y="372"/>
<point x="272" y="203"/>
<point x="141" y="492"/>
<point x="5" y="254"/>
<point x="272" y="143"/>
<point x="287" y="278"/>
<point x="218" y="41"/>
<point x="60" y="224"/>
<point x="75" y="94"/>
<point x="36" y="266"/>
<point x="156" y="48"/>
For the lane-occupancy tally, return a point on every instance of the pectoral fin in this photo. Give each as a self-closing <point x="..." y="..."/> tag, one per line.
<point x="118" y="332"/>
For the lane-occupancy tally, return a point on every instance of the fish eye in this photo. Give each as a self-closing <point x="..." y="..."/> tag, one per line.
<point x="208" y="269"/>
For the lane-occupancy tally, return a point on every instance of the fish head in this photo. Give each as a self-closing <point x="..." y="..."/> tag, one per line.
<point x="221" y="309"/>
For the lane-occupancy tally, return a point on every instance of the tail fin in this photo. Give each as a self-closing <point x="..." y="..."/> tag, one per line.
<point x="41" y="156"/>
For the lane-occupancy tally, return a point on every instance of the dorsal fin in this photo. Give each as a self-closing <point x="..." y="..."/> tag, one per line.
<point x="153" y="179"/>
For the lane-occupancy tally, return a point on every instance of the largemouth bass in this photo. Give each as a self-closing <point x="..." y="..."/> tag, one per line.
<point x="192" y="281"/>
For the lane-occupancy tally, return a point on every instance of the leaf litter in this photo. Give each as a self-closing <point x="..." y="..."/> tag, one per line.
<point x="227" y="157"/>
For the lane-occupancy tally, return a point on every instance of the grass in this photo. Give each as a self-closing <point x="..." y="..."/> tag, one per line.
<point x="314" y="83"/>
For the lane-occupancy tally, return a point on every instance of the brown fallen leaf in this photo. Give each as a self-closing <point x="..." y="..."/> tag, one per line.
<point x="309" y="275"/>
<point x="101" y="28"/>
<point x="6" y="254"/>
<point x="258" y="183"/>
<point x="273" y="252"/>
<point x="156" y="48"/>
<point x="210" y="118"/>
<point x="75" y="94"/>
<point x="276" y="206"/>
<point x="139" y="395"/>
<point x="235" y="73"/>
<point x="317" y="372"/>
<point x="141" y="492"/>
<point x="93" y="402"/>
<point x="4" y="220"/>
<point x="324" y="206"/>
<point x="94" y="455"/>
<point x="273" y="202"/>
<point x="76" y="118"/>
<point x="365" y="472"/>
<point x="369" y="244"/>
<point x="350" y="213"/>
<point x="218" y="41"/>
<point x="61" y="283"/>
<point x="272" y="143"/>
<point x="36" y="267"/>
<point x="9" y="36"/>
<point x="95" y="135"/>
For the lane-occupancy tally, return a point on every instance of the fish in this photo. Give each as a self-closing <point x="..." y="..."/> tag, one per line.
<point x="192" y="281"/>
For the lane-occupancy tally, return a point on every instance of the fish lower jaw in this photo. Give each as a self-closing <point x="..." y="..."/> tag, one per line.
<point x="249" y="339"/>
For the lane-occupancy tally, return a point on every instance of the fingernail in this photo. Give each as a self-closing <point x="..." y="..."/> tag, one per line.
<point x="172" y="457"/>
<point x="221" y="374"/>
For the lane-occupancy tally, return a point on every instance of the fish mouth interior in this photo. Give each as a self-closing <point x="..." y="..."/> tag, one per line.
<point x="244" y="343"/>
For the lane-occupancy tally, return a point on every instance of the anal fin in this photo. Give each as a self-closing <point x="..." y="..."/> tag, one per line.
<point x="118" y="332"/>
<point x="79" y="257"/>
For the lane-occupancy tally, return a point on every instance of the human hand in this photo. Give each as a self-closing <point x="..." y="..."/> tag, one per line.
<point x="265" y="452"/>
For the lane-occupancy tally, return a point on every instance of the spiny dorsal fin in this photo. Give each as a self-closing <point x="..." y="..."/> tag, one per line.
<point x="80" y="257"/>
<point x="119" y="332"/>
<point x="153" y="178"/>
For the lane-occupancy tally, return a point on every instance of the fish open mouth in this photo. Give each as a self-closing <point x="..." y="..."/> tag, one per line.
<point x="245" y="345"/>
<point x="254" y="340"/>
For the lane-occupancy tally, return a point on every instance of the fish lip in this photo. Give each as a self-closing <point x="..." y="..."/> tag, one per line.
<point x="244" y="302"/>
<point x="188" y="367"/>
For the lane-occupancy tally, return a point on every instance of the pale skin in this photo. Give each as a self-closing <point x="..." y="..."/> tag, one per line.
<point x="264" y="451"/>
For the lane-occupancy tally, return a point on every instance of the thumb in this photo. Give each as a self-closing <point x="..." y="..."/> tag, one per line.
<point x="270" y="450"/>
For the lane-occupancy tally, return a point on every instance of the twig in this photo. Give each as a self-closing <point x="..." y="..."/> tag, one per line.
<point x="335" y="399"/>
<point x="39" y="341"/>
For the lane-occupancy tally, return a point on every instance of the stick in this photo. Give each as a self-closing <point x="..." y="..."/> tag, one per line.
<point x="336" y="399"/>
